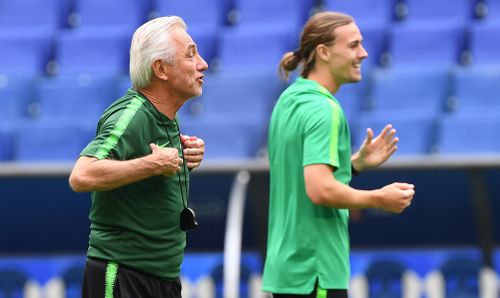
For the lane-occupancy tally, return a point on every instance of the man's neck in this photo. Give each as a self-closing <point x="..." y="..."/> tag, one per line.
<point x="162" y="102"/>
<point x="325" y="79"/>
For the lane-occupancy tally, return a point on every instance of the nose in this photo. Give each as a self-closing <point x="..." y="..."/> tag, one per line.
<point x="202" y="64"/>
<point x="363" y="53"/>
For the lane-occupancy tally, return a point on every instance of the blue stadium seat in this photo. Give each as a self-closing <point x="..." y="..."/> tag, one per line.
<point x="16" y="93"/>
<point x="75" y="97"/>
<point x="493" y="10"/>
<point x="375" y="43"/>
<point x="6" y="140"/>
<point x="103" y="51"/>
<point x="228" y="139"/>
<point x="470" y="134"/>
<point x="73" y="279"/>
<point x="242" y="48"/>
<point x="24" y="52"/>
<point x="410" y="90"/>
<point x="263" y="13"/>
<point x="461" y="277"/>
<point x="125" y="14"/>
<point x="381" y="12"/>
<point x="446" y="11"/>
<point x="51" y="141"/>
<point x="354" y="97"/>
<point x="385" y="279"/>
<point x="206" y="43"/>
<point x="198" y="14"/>
<point x="12" y="283"/>
<point x="47" y="15"/>
<point x="409" y="44"/>
<point x="475" y="90"/>
<point x="238" y="95"/>
<point x="415" y="130"/>
<point x="485" y="43"/>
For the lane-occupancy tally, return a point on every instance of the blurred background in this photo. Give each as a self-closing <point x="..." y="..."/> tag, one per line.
<point x="433" y="71"/>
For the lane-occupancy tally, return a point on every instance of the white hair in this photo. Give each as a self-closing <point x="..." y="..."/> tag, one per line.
<point x="152" y="41"/>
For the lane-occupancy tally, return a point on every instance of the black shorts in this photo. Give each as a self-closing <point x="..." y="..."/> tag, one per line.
<point x="317" y="293"/>
<point x="108" y="279"/>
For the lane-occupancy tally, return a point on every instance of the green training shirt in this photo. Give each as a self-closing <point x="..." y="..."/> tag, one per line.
<point x="306" y="241"/>
<point x="138" y="225"/>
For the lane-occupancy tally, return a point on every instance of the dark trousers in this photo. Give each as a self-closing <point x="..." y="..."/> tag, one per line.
<point x="111" y="280"/>
<point x="314" y="294"/>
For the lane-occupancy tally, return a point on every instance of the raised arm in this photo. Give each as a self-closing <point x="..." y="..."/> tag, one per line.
<point x="323" y="189"/>
<point x="92" y="174"/>
<point x="375" y="151"/>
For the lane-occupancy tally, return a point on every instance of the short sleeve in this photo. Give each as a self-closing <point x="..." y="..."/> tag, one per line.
<point x="117" y="138"/>
<point x="321" y="134"/>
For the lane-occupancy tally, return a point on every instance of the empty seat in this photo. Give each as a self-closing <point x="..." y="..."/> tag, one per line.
<point x="46" y="15"/>
<point x="470" y="134"/>
<point x="385" y="279"/>
<point x="262" y="13"/>
<point x="78" y="97"/>
<point x="238" y="95"/>
<point x="354" y="97"/>
<point x="16" y="94"/>
<point x="415" y="130"/>
<point x="485" y="44"/>
<point x="380" y="12"/>
<point x="198" y="14"/>
<point x="6" y="141"/>
<point x="93" y="51"/>
<point x="24" y="52"/>
<point x="227" y="138"/>
<point x="492" y="10"/>
<point x="54" y="141"/>
<point x="97" y="13"/>
<point x="475" y="90"/>
<point x="375" y="43"/>
<point x="410" y="90"/>
<point x="446" y="11"/>
<point x="251" y="49"/>
<point x="410" y="44"/>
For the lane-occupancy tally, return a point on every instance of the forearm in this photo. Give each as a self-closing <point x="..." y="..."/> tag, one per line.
<point x="91" y="174"/>
<point x="338" y="195"/>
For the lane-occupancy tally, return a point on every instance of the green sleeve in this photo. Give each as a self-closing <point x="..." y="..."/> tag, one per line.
<point x="321" y="134"/>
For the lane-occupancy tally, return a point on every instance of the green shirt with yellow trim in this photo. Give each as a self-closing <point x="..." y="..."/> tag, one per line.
<point x="138" y="225"/>
<point x="306" y="242"/>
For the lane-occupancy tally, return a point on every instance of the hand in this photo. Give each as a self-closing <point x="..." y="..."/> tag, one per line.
<point x="194" y="149"/>
<point x="374" y="152"/>
<point x="396" y="197"/>
<point x="167" y="159"/>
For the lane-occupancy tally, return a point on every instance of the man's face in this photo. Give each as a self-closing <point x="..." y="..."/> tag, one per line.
<point x="347" y="52"/>
<point x="186" y="75"/>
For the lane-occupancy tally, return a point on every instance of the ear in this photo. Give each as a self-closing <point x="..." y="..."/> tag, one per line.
<point x="322" y="52"/>
<point x="160" y="70"/>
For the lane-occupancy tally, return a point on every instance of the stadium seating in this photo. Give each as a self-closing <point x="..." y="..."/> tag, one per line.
<point x="470" y="134"/>
<point x="24" y="52"/>
<point x="475" y="90"/>
<point x="213" y="16"/>
<point x="262" y="13"/>
<point x="381" y="12"/>
<point x="375" y="43"/>
<point x="485" y="44"/>
<point x="415" y="131"/>
<point x="103" y="51"/>
<point x="51" y="141"/>
<point x="12" y="283"/>
<point x="84" y="96"/>
<point x="410" y="44"/>
<point x="409" y="90"/>
<point x="493" y="10"/>
<point x="448" y="11"/>
<point x="95" y="14"/>
<point x="354" y="97"/>
<point x="462" y="277"/>
<point x="16" y="93"/>
<point x="240" y="48"/>
<point x="45" y="16"/>
<point x="6" y="137"/>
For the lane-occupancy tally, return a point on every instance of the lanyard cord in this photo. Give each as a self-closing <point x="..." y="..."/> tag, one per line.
<point x="184" y="202"/>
